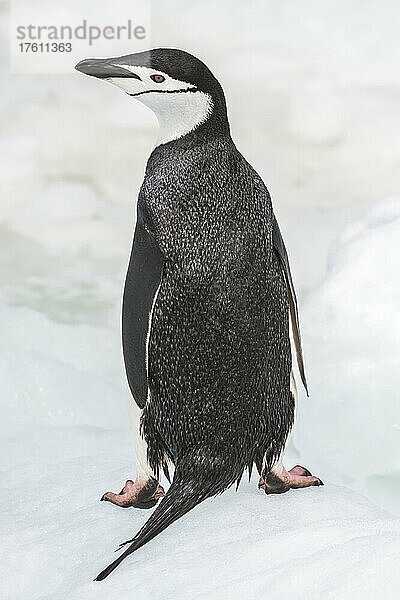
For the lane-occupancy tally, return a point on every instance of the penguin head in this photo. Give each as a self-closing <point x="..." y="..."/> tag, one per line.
<point x="178" y="87"/>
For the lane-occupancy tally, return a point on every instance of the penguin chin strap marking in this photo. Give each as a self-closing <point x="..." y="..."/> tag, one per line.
<point x="189" y="89"/>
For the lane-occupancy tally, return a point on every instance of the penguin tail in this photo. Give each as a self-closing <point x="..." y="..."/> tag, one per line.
<point x="194" y="481"/>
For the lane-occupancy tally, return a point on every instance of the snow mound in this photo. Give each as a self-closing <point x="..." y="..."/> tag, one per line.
<point x="66" y="440"/>
<point x="55" y="374"/>
<point x="349" y="429"/>
<point x="311" y="544"/>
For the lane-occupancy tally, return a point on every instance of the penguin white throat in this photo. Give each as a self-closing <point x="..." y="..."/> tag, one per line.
<point x="178" y="105"/>
<point x="178" y="113"/>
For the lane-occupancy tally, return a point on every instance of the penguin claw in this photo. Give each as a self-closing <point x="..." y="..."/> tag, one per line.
<point x="136" y="494"/>
<point x="318" y="482"/>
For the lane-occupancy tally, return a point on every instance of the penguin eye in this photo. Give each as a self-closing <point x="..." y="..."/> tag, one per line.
<point x="157" y="78"/>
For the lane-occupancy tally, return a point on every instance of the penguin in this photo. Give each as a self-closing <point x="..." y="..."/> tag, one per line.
<point x="207" y="304"/>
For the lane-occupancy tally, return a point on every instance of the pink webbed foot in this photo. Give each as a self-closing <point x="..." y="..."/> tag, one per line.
<point x="140" y="494"/>
<point x="278" y="483"/>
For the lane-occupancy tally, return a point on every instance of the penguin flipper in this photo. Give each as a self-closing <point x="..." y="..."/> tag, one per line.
<point x="280" y="249"/>
<point x="142" y="282"/>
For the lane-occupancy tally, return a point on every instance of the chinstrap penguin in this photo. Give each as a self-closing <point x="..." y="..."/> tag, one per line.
<point x="206" y="305"/>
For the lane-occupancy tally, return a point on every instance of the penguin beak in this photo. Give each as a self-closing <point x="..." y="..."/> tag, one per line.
<point x="102" y="68"/>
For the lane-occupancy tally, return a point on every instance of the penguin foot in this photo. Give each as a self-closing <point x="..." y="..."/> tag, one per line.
<point x="280" y="481"/>
<point x="138" y="494"/>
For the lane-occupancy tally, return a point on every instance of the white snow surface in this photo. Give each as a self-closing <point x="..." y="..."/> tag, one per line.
<point x="66" y="440"/>
<point x="350" y="427"/>
<point x="313" y="543"/>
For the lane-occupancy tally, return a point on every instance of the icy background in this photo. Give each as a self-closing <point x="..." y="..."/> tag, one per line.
<point x="313" y="95"/>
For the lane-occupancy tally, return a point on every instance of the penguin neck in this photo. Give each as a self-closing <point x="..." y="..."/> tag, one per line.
<point x="189" y="117"/>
